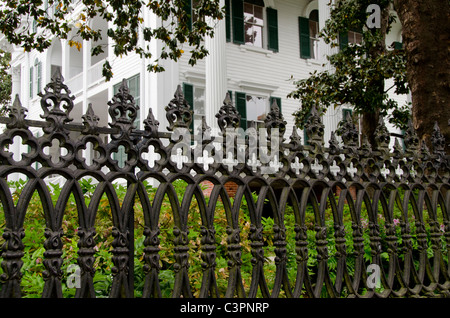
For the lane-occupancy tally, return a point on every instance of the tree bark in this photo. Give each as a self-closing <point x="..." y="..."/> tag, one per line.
<point x="426" y="39"/>
<point x="369" y="120"/>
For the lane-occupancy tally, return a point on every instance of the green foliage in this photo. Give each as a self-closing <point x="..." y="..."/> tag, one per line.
<point x="33" y="24"/>
<point x="357" y="72"/>
<point x="34" y="225"/>
<point x="5" y="81"/>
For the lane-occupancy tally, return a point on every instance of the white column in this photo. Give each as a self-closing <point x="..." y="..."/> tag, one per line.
<point x="16" y="82"/>
<point x="216" y="72"/>
<point x="65" y="60"/>
<point x="86" y="65"/>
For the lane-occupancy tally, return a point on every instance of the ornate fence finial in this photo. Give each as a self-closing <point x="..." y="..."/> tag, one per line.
<point x="274" y="119"/>
<point x="382" y="136"/>
<point x="178" y="112"/>
<point x="123" y="111"/>
<point x="228" y="117"/>
<point x="349" y="134"/>
<point x="151" y="125"/>
<point x="204" y="130"/>
<point x="90" y="121"/>
<point x="57" y="103"/>
<point x="295" y="139"/>
<point x="17" y="115"/>
<point x="438" y="140"/>
<point x="333" y="144"/>
<point x="315" y="128"/>
<point x="411" y="139"/>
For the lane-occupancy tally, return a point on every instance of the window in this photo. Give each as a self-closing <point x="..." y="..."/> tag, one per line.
<point x="309" y="35"/>
<point x="189" y="7"/>
<point x="354" y="37"/>
<point x="38" y="68"/>
<point x="253" y="108"/>
<point x="253" y="24"/>
<point x="248" y="23"/>
<point x="314" y="34"/>
<point x="350" y="37"/>
<point x="195" y="96"/>
<point x="257" y="109"/>
<point x="31" y="82"/>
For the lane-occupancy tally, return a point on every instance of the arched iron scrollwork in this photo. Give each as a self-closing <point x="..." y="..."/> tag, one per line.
<point x="338" y="208"/>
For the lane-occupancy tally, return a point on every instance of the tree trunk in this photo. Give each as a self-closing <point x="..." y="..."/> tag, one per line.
<point x="369" y="120"/>
<point x="426" y="39"/>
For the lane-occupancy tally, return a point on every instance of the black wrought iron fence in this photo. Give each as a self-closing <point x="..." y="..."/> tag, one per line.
<point x="336" y="221"/>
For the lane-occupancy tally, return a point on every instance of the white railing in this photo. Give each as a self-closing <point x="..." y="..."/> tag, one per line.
<point x="75" y="83"/>
<point x="95" y="73"/>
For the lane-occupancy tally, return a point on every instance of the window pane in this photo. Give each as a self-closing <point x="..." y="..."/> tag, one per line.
<point x="258" y="11"/>
<point x="257" y="31"/>
<point x="256" y="108"/>
<point x="248" y="12"/>
<point x="313" y="28"/>
<point x="199" y="101"/>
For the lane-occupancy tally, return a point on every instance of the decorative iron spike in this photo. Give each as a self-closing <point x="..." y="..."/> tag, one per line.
<point x="56" y="102"/>
<point x="424" y="151"/>
<point x="382" y="136"/>
<point x="411" y="139"/>
<point x="17" y="114"/>
<point x="122" y="108"/>
<point x="366" y="147"/>
<point x="204" y="130"/>
<point x="437" y="140"/>
<point x="295" y="139"/>
<point x="178" y="112"/>
<point x="228" y="117"/>
<point x="333" y="143"/>
<point x="151" y="125"/>
<point x="348" y="132"/>
<point x="275" y="120"/>
<point x="90" y="121"/>
<point x="398" y="149"/>
<point x="315" y="128"/>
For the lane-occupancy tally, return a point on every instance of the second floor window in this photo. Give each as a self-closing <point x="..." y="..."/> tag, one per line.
<point x="354" y="37"/>
<point x="314" y="34"/>
<point x="253" y="24"/>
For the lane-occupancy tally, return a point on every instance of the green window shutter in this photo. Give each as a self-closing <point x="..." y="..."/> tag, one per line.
<point x="272" y="24"/>
<point x="228" y="19"/>
<point x="188" y="9"/>
<point x="343" y="40"/>
<point x="237" y="11"/>
<point x="241" y="106"/>
<point x="188" y="91"/>
<point x="305" y="51"/>
<point x="305" y="137"/>
<point x="398" y="45"/>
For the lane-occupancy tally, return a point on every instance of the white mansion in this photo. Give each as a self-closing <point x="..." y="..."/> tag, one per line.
<point x="279" y="42"/>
